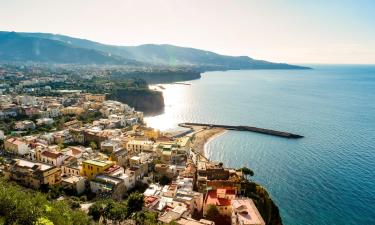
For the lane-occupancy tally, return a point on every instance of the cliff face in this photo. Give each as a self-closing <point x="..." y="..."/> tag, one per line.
<point x="162" y="77"/>
<point x="145" y="100"/>
<point x="267" y="208"/>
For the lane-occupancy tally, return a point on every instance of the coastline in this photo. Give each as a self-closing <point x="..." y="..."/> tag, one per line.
<point x="218" y="134"/>
<point x="202" y="136"/>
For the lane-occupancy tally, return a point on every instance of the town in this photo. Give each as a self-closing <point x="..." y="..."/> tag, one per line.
<point x="83" y="144"/>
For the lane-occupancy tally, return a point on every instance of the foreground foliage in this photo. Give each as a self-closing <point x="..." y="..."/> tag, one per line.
<point x="108" y="209"/>
<point x="23" y="206"/>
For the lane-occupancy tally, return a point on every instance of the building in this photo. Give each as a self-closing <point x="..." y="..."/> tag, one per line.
<point x="24" y="125"/>
<point x="191" y="221"/>
<point x="137" y="146"/>
<point x="44" y="121"/>
<point x="120" y="156"/>
<point x="222" y="199"/>
<point x="32" y="174"/>
<point x="110" y="146"/>
<point x="72" y="110"/>
<point x="75" y="183"/>
<point x="105" y="185"/>
<point x="245" y="213"/>
<point x="90" y="168"/>
<point x="73" y="124"/>
<point x="53" y="158"/>
<point x="16" y="146"/>
<point x="95" y="97"/>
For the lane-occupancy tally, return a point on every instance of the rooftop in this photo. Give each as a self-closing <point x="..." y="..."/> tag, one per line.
<point x="96" y="162"/>
<point x="246" y="212"/>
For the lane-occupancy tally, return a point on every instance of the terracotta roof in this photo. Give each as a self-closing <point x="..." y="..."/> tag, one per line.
<point x="212" y="199"/>
<point x="76" y="151"/>
<point x="51" y="154"/>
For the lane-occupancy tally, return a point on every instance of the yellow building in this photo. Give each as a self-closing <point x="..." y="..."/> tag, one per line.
<point x="151" y="133"/>
<point x="32" y="174"/>
<point x="95" y="97"/>
<point x="148" y="132"/>
<point x="72" y="110"/>
<point x="90" y="168"/>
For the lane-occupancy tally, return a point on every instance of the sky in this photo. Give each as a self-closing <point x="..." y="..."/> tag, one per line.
<point x="292" y="31"/>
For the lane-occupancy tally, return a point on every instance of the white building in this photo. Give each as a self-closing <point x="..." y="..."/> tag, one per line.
<point x="2" y="135"/>
<point x="136" y="146"/>
<point x="16" y="146"/>
<point x="44" y="121"/>
<point x="52" y="158"/>
<point x="245" y="213"/>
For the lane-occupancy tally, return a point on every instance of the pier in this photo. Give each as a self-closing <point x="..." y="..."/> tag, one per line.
<point x="245" y="128"/>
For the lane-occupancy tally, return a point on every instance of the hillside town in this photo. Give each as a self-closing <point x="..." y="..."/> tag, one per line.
<point x="87" y="144"/>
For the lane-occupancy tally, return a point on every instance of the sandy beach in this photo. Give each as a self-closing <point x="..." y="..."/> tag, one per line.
<point x="202" y="135"/>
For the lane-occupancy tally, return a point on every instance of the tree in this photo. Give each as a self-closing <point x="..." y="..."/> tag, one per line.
<point x="164" y="180"/>
<point x="93" y="145"/>
<point x="116" y="211"/>
<point x="97" y="209"/>
<point x="247" y="172"/>
<point x="43" y="221"/>
<point x="135" y="202"/>
<point x="212" y="213"/>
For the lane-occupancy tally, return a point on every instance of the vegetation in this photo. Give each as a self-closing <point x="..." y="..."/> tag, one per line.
<point x="162" y="179"/>
<point x="24" y="206"/>
<point x="247" y="172"/>
<point x="109" y="209"/>
<point x="262" y="200"/>
<point x="212" y="212"/>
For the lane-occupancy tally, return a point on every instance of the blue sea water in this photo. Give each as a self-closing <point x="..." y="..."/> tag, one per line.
<point x="327" y="177"/>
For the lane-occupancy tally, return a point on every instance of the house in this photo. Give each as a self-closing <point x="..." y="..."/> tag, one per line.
<point x="72" y="110"/>
<point x="166" y="169"/>
<point x="117" y="120"/>
<point x="24" y="125"/>
<point x="70" y="168"/>
<point x="77" y="135"/>
<point x="105" y="185"/>
<point x="91" y="167"/>
<point x="32" y="174"/>
<point x="16" y="146"/>
<point x="75" y="183"/>
<point x="110" y="146"/>
<point x="137" y="146"/>
<point x="2" y="135"/>
<point x="53" y="158"/>
<point x="120" y="156"/>
<point x="62" y="137"/>
<point x="95" y="97"/>
<point x="211" y="175"/>
<point x="221" y="198"/>
<point x="44" y="121"/>
<point x="191" y="221"/>
<point x="245" y="213"/>
<point x="73" y="124"/>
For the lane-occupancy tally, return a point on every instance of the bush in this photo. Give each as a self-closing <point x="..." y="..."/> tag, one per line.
<point x="21" y="206"/>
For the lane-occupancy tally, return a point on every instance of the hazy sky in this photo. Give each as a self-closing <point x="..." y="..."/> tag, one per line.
<point x="294" y="31"/>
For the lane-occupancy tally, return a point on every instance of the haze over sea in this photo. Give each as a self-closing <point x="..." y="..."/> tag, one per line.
<point x="328" y="177"/>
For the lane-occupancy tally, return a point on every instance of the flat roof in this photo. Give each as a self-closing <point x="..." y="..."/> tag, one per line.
<point x="246" y="212"/>
<point x="96" y="162"/>
<point x="25" y="163"/>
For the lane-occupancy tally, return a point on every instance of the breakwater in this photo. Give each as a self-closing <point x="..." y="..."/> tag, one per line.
<point x="246" y="128"/>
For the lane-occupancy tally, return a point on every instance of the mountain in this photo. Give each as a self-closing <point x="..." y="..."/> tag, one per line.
<point x="168" y="55"/>
<point x="17" y="47"/>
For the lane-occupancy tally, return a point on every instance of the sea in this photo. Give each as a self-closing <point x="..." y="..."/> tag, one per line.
<point x="327" y="177"/>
